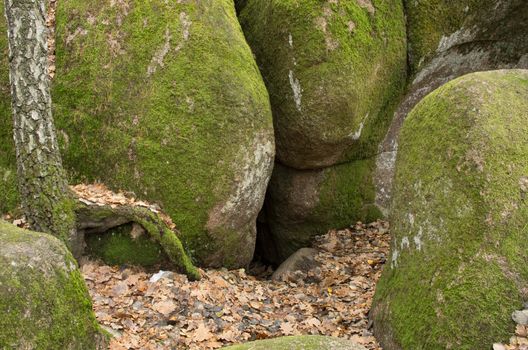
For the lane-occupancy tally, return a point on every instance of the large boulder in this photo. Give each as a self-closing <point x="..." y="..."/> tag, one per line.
<point x="448" y="39"/>
<point x="302" y="204"/>
<point x="439" y="26"/>
<point x="332" y="69"/>
<point x="458" y="266"/>
<point x="299" y="343"/>
<point x="163" y="98"/>
<point x="43" y="300"/>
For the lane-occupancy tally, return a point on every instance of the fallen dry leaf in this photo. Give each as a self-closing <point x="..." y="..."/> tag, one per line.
<point x="165" y="307"/>
<point x="202" y="333"/>
<point x="228" y="307"/>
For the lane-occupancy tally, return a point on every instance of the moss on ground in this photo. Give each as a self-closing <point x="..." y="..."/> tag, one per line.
<point x="313" y="342"/>
<point x="117" y="247"/>
<point x="347" y="61"/>
<point x="43" y="300"/>
<point x="460" y="248"/>
<point x="160" y="98"/>
<point x="98" y="219"/>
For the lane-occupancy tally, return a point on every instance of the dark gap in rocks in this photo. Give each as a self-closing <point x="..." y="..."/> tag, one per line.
<point x="264" y="259"/>
<point x="239" y="5"/>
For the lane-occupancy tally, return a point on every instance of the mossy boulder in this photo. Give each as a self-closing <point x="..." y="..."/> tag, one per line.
<point x="43" y="300"/>
<point x="439" y="25"/>
<point x="302" y="204"/>
<point x="304" y="342"/>
<point x="163" y="98"/>
<point x="332" y="69"/>
<point x="448" y="39"/>
<point x="458" y="266"/>
<point x="8" y="189"/>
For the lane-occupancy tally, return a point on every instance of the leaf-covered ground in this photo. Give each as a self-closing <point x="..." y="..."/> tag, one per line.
<point x="165" y="310"/>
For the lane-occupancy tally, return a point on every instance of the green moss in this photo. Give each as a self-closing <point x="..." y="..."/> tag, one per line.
<point x="8" y="186"/>
<point x="430" y="20"/>
<point x="304" y="204"/>
<point x="459" y="256"/>
<point x="350" y="64"/>
<point x="147" y="248"/>
<point x="64" y="220"/>
<point x="347" y="194"/>
<point x="117" y="247"/>
<point x="173" y="135"/>
<point x="43" y="300"/>
<point x="304" y="342"/>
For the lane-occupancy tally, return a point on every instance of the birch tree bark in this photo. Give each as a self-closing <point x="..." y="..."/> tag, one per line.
<point x="46" y="199"/>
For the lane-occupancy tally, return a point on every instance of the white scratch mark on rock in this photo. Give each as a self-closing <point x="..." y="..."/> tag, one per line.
<point x="356" y="135"/>
<point x="186" y="25"/>
<point x="394" y="259"/>
<point x="418" y="239"/>
<point x="158" y="58"/>
<point x="297" y="90"/>
<point x="405" y="243"/>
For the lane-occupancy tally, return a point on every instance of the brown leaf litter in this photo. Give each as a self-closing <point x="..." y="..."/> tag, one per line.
<point x="166" y="311"/>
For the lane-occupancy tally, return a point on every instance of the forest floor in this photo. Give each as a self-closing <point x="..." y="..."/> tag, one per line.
<point x="166" y="311"/>
<point x="146" y="309"/>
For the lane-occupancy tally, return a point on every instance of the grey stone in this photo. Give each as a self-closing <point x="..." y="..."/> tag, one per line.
<point x="302" y="260"/>
<point x="520" y="317"/>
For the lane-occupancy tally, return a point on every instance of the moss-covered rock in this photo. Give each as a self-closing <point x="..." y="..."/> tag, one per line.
<point x="439" y="25"/>
<point x="8" y="189"/>
<point x="43" y="300"/>
<point x="299" y="343"/>
<point x="332" y="69"/>
<point x="448" y="39"/>
<point x="121" y="245"/>
<point x="165" y="99"/>
<point x="458" y="266"/>
<point x="304" y="203"/>
<point x="240" y="4"/>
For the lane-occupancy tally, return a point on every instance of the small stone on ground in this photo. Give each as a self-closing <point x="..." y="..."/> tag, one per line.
<point x="230" y="307"/>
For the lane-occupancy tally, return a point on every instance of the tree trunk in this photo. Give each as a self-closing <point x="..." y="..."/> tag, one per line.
<point x="45" y="196"/>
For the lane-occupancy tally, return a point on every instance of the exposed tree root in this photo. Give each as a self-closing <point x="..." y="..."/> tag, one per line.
<point x="97" y="218"/>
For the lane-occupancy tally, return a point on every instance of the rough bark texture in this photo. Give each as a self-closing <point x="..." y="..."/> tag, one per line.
<point x="42" y="182"/>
